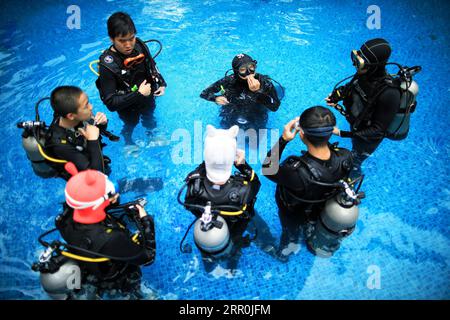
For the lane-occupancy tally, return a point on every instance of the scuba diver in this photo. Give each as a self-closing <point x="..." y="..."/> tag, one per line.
<point x="74" y="135"/>
<point x="245" y="96"/>
<point x="128" y="79"/>
<point x="305" y="183"/>
<point x="100" y="248"/>
<point x="376" y="104"/>
<point x="222" y="203"/>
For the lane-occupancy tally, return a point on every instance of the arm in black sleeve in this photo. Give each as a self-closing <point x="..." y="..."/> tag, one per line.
<point x="92" y="160"/>
<point x="273" y="156"/>
<point x="210" y="92"/>
<point x="122" y="246"/>
<point x="246" y="170"/>
<point x="267" y="95"/>
<point x="281" y="175"/>
<point x="386" y="107"/>
<point x="113" y="100"/>
<point x="148" y="230"/>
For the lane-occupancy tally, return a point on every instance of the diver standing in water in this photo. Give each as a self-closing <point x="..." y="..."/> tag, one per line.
<point x="98" y="240"/>
<point x="222" y="203"/>
<point x="128" y="79"/>
<point x="376" y="104"/>
<point x="306" y="182"/>
<point x="74" y="134"/>
<point x="245" y="96"/>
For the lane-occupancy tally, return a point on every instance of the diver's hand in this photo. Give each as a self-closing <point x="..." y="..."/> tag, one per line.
<point x="291" y="129"/>
<point x="142" y="212"/>
<point x="145" y="89"/>
<point x="100" y="118"/>
<point x="240" y="157"/>
<point x="221" y="100"/>
<point x="331" y="104"/>
<point x="114" y="198"/>
<point x="90" y="132"/>
<point x="253" y="83"/>
<point x="160" y="92"/>
<point x="336" y="131"/>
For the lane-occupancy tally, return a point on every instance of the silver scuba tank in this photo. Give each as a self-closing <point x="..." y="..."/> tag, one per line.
<point x="211" y="236"/>
<point x="59" y="284"/>
<point x="58" y="275"/>
<point x="399" y="127"/>
<point x="40" y="166"/>
<point x="336" y="221"/>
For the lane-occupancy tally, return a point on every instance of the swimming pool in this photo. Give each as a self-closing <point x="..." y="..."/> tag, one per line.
<point x="403" y="230"/>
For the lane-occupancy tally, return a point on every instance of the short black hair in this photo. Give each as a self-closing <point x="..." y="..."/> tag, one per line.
<point x="317" y="117"/>
<point x="120" y="24"/>
<point x="65" y="100"/>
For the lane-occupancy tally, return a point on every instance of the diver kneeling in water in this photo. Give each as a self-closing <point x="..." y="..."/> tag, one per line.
<point x="222" y="203"/>
<point x="98" y="240"/>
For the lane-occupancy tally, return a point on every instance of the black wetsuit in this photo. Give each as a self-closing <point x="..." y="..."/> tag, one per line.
<point x="252" y="106"/>
<point x="295" y="182"/>
<point x="372" y="103"/>
<point x="115" y="85"/>
<point x="110" y="237"/>
<point x="241" y="189"/>
<point x="70" y="145"/>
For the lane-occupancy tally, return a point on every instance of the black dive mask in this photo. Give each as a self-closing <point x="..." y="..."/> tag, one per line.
<point x="247" y="69"/>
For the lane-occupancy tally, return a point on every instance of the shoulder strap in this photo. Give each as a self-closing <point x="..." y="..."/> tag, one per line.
<point x="311" y="168"/>
<point x="148" y="57"/>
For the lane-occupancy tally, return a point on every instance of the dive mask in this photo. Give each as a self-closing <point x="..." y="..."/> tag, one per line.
<point x="357" y="60"/>
<point x="247" y="69"/>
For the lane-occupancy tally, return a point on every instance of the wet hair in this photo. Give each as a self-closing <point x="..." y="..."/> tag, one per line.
<point x="65" y="100"/>
<point x="317" y="117"/>
<point x="120" y="24"/>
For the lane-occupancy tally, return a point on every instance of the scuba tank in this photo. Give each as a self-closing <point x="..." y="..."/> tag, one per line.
<point x="399" y="127"/>
<point x="336" y="221"/>
<point x="59" y="284"/>
<point x="211" y="233"/>
<point x="32" y="139"/>
<point x="58" y="275"/>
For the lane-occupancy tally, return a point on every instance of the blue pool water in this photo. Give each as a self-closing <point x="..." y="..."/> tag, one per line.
<point x="404" y="222"/>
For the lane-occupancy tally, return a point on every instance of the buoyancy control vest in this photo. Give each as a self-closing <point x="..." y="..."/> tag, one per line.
<point x="363" y="104"/>
<point x="314" y="173"/>
<point x="129" y="79"/>
<point x="92" y="237"/>
<point x="238" y="193"/>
